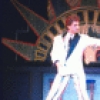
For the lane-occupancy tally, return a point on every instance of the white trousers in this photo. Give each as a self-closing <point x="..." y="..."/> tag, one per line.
<point x="60" y="83"/>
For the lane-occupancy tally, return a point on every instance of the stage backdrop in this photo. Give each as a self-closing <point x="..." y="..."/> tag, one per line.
<point x="92" y="81"/>
<point x="37" y="47"/>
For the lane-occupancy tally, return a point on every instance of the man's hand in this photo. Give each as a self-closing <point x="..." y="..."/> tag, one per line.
<point x="90" y="54"/>
<point x="62" y="70"/>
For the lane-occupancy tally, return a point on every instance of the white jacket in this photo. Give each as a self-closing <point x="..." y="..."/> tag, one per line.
<point x="74" y="63"/>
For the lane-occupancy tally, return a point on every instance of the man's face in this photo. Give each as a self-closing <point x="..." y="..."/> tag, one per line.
<point x="74" y="27"/>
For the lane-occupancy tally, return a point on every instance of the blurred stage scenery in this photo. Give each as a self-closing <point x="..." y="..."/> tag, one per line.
<point x="29" y="27"/>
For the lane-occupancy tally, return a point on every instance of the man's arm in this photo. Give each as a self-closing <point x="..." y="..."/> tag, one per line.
<point x="95" y="41"/>
<point x="56" y="58"/>
<point x="55" y="51"/>
<point x="91" y="41"/>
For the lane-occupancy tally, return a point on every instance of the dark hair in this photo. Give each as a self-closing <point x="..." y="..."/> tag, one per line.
<point x="71" y="18"/>
<point x="69" y="21"/>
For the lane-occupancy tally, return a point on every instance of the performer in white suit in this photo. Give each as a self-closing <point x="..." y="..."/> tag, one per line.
<point x="71" y="66"/>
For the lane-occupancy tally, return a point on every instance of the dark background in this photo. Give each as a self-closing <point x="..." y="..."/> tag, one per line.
<point x="12" y="22"/>
<point x="12" y="82"/>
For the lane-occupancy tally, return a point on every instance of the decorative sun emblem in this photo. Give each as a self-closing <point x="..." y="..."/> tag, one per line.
<point x="46" y="30"/>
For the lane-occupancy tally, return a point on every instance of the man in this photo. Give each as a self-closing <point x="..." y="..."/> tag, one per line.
<point x="70" y="64"/>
